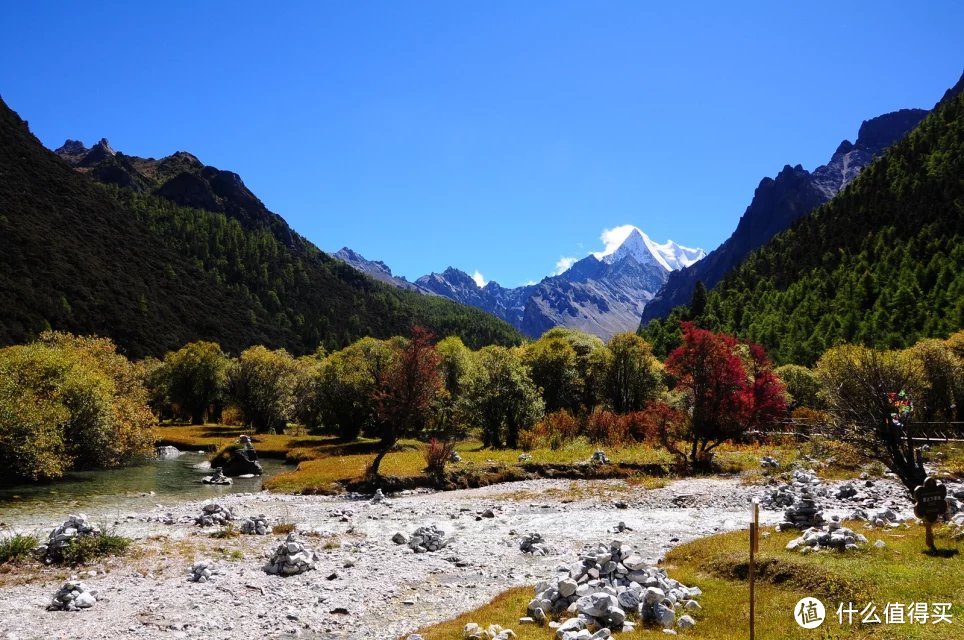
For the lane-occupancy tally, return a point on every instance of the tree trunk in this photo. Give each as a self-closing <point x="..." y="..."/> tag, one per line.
<point x="197" y="416"/>
<point x="386" y="446"/>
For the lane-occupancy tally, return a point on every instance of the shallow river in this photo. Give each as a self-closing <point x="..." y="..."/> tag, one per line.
<point x="114" y="493"/>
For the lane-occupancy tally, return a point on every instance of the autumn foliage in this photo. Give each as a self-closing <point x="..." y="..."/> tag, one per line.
<point x="727" y="388"/>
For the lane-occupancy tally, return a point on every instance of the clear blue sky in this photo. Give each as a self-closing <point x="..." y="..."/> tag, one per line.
<point x="493" y="136"/>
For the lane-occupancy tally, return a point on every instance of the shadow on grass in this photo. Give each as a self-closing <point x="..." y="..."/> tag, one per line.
<point x="940" y="553"/>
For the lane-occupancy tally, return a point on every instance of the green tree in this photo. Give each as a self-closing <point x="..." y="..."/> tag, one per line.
<point x="857" y="382"/>
<point x="553" y="366"/>
<point x="802" y="385"/>
<point x="346" y="386"/>
<point x="69" y="402"/>
<point x="263" y="383"/>
<point x="500" y="397"/>
<point x="197" y="377"/>
<point x="634" y="376"/>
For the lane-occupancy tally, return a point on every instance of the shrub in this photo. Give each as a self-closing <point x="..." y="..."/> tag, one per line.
<point x="283" y="528"/>
<point x="84" y="549"/>
<point x="605" y="427"/>
<point x="557" y="428"/>
<point x="437" y="455"/>
<point x="17" y="547"/>
<point x="227" y="531"/>
<point x="638" y="427"/>
<point x="68" y="401"/>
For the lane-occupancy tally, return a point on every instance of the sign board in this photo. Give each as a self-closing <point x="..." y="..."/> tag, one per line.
<point x="930" y="500"/>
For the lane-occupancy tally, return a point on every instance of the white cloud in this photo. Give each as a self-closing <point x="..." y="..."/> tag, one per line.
<point x="479" y="280"/>
<point x="564" y="263"/>
<point x="612" y="238"/>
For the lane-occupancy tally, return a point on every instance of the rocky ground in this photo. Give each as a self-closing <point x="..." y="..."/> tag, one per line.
<point x="364" y="584"/>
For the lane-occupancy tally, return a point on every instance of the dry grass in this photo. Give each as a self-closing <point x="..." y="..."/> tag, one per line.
<point x="901" y="572"/>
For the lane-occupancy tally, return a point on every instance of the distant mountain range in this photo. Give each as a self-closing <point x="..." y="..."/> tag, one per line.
<point x="602" y="294"/>
<point x="778" y="202"/>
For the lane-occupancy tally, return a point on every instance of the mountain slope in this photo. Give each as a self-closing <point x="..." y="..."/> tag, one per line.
<point x="882" y="264"/>
<point x="778" y="202"/>
<point x="120" y="262"/>
<point x="602" y="294"/>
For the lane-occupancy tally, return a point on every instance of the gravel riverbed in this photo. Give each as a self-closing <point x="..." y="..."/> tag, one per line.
<point x="365" y="586"/>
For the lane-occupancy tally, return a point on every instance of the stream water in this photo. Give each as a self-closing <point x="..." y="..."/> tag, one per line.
<point x="110" y="495"/>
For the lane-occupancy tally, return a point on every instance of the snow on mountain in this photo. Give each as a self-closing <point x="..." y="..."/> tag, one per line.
<point x="629" y="240"/>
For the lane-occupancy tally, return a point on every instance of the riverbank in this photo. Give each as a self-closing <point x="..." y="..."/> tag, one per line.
<point x="365" y="586"/>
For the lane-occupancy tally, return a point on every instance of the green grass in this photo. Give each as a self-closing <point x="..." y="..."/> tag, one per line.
<point x="17" y="548"/>
<point x="85" y="549"/>
<point x="901" y="572"/>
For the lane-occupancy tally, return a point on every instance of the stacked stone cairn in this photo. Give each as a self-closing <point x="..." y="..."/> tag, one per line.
<point x="293" y="556"/>
<point x="73" y="596"/>
<point x="768" y="462"/>
<point x="256" y="525"/>
<point x="76" y="526"/>
<point x="454" y="457"/>
<point x="803" y="513"/>
<point x="525" y="457"/>
<point x="473" y="631"/>
<point x="423" y="540"/>
<point x="202" y="571"/>
<point x="599" y="457"/>
<point x="877" y="518"/>
<point x="214" y="514"/>
<point x="831" y="536"/>
<point x="599" y="592"/>
<point x="378" y="498"/>
<point x="534" y="544"/>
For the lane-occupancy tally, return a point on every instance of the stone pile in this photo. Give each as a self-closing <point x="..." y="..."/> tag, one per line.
<point x="607" y="586"/>
<point x="803" y="513"/>
<point x="74" y="527"/>
<point x="378" y="498"/>
<point x="769" y="463"/>
<point x="454" y="457"/>
<point x="293" y="556"/>
<point x="73" y="596"/>
<point x="473" y="631"/>
<point x="525" y="457"/>
<point x="830" y="536"/>
<point x="256" y="525"/>
<point x="423" y="540"/>
<point x="878" y="518"/>
<point x="214" y="514"/>
<point x="202" y="571"/>
<point x="599" y="457"/>
<point x="957" y="526"/>
<point x="534" y="544"/>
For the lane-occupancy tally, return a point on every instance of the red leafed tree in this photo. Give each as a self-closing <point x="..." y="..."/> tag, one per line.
<point x="406" y="393"/>
<point x="769" y="397"/>
<point x="724" y="393"/>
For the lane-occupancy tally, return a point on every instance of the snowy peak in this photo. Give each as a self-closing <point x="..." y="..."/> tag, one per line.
<point x="638" y="246"/>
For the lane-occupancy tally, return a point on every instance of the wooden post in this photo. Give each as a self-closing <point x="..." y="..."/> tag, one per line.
<point x="754" y="547"/>
<point x="929" y="535"/>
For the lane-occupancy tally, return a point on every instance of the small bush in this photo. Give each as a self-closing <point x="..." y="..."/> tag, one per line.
<point x="557" y="429"/>
<point x="605" y="427"/>
<point x="84" y="549"/>
<point x="227" y="531"/>
<point x="437" y="455"/>
<point x="283" y="528"/>
<point x="17" y="548"/>
<point x="638" y="427"/>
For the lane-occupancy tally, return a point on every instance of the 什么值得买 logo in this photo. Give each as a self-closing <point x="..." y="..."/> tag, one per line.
<point x="809" y="613"/>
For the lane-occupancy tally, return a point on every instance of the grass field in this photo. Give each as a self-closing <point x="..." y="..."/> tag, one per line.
<point x="902" y="572"/>
<point x="325" y="463"/>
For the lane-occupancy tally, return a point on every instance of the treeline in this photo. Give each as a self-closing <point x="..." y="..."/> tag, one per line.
<point x="882" y="264"/>
<point x="68" y="402"/>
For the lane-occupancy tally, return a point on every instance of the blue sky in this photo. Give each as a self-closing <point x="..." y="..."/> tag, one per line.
<point x="493" y="136"/>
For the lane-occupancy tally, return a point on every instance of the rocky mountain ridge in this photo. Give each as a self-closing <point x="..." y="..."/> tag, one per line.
<point x="780" y="201"/>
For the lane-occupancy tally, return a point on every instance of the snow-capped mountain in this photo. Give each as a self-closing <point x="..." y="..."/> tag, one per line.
<point x="641" y="248"/>
<point x="604" y="293"/>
